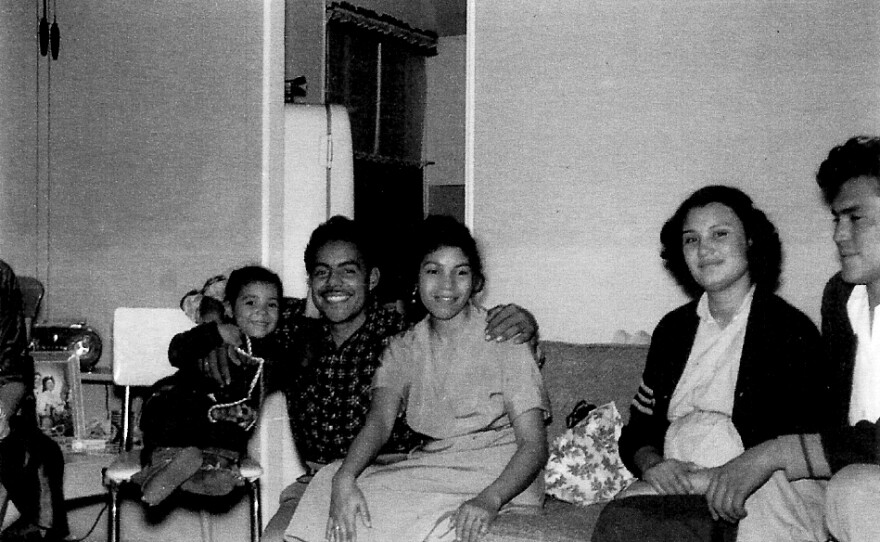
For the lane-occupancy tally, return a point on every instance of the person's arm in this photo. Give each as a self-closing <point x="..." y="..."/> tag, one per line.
<point x="640" y="443"/>
<point x="647" y="457"/>
<point x="473" y="518"/>
<point x="207" y="348"/>
<point x="641" y="439"/>
<point x="298" y="343"/>
<point x="798" y="456"/>
<point x="11" y="394"/>
<point x="192" y="345"/>
<point x="511" y="322"/>
<point x="847" y="445"/>
<point x="666" y="476"/>
<point x="346" y="500"/>
<point x="797" y="376"/>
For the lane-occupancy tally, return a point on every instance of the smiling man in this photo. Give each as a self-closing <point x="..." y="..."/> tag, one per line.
<point x="338" y="353"/>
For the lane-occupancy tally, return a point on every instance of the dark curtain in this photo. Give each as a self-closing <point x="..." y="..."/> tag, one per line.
<point x="376" y="68"/>
<point x="388" y="202"/>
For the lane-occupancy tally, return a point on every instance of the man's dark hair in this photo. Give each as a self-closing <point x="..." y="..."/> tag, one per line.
<point x="250" y="274"/>
<point x="337" y="228"/>
<point x="764" y="252"/>
<point x="858" y="157"/>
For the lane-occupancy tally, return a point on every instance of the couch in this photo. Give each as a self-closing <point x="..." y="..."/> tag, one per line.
<point x="598" y="373"/>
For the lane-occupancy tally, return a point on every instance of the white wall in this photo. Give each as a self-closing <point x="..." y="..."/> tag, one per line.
<point x="304" y="44"/>
<point x="157" y="146"/>
<point x="19" y="54"/>
<point x="594" y="119"/>
<point x="445" y="112"/>
<point x="444" y="129"/>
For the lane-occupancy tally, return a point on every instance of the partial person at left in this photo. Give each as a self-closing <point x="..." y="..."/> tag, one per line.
<point x="31" y="463"/>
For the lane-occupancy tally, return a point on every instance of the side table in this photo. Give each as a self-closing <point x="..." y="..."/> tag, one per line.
<point x="100" y="375"/>
<point x="99" y="404"/>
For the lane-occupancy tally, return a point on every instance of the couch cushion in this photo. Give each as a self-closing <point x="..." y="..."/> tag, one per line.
<point x="598" y="373"/>
<point x="558" y="522"/>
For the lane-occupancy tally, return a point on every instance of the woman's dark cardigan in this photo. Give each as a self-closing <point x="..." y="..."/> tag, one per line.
<point x="781" y="385"/>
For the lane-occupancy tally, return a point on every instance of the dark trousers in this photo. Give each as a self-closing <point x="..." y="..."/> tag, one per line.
<point x="661" y="518"/>
<point x="32" y="471"/>
<point x="177" y="417"/>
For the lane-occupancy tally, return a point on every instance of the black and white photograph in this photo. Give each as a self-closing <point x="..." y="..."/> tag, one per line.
<point x="471" y="270"/>
<point x="58" y="396"/>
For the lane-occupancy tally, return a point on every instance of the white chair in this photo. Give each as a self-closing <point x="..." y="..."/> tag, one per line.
<point x="140" y="357"/>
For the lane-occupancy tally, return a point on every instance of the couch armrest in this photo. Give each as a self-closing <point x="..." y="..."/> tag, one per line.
<point x="272" y="445"/>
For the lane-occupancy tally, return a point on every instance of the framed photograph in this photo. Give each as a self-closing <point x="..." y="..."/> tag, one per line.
<point x="58" y="393"/>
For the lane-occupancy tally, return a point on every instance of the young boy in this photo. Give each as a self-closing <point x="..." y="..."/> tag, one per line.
<point x="195" y="432"/>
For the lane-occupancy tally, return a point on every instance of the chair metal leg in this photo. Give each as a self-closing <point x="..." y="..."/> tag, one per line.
<point x="114" y="531"/>
<point x="126" y="419"/>
<point x="256" y="520"/>
<point x="4" y="507"/>
<point x="206" y="525"/>
<point x="113" y="525"/>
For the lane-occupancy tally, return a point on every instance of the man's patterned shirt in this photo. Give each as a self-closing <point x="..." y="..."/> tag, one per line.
<point x="328" y="387"/>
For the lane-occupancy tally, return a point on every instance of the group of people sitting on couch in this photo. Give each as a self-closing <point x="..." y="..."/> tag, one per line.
<point x="748" y="423"/>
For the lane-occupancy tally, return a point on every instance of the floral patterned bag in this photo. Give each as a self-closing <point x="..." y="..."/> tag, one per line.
<point x="584" y="466"/>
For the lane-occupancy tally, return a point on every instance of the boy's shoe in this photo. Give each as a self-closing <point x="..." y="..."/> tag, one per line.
<point x="219" y="474"/>
<point x="213" y="481"/>
<point x="159" y="459"/>
<point x="168" y="469"/>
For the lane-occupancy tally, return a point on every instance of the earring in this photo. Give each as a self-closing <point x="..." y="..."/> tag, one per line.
<point x="415" y="295"/>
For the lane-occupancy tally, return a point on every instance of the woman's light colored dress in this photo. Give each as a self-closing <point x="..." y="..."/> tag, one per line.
<point x="463" y="393"/>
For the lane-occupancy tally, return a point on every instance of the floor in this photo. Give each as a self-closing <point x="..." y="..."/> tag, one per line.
<point x="179" y="525"/>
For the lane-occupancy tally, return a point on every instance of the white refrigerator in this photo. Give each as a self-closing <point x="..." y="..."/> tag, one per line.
<point x="318" y="180"/>
<point x="318" y="184"/>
